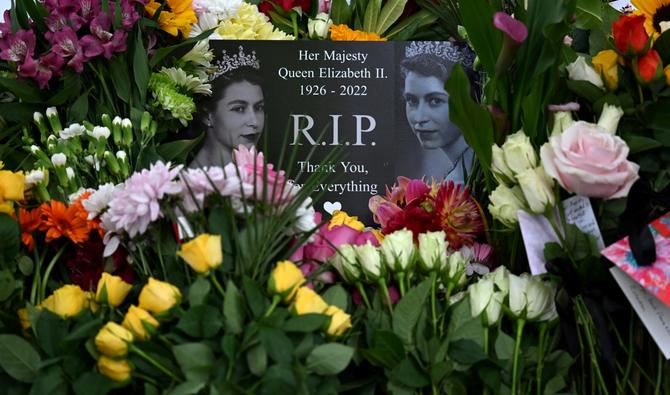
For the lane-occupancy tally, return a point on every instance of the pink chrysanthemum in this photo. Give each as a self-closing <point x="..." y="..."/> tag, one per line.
<point x="200" y="183"/>
<point x="138" y="204"/>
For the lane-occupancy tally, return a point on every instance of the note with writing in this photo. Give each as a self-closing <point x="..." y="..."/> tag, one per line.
<point x="537" y="231"/>
<point x="654" y="315"/>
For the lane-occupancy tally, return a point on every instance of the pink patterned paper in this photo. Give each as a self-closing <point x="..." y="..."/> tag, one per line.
<point x="655" y="278"/>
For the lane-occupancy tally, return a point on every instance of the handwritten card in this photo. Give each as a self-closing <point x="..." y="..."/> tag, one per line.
<point x="655" y="278"/>
<point x="654" y="315"/>
<point x="623" y="5"/>
<point x="537" y="231"/>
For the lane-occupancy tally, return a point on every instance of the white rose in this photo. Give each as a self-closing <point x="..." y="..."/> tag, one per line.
<point x="319" y="26"/>
<point x="369" y="260"/>
<point x="494" y="308"/>
<point x="433" y="250"/>
<point x="480" y="295"/>
<point x="562" y="121"/>
<point x="519" y="153"/>
<point x="344" y="261"/>
<point x="540" y="297"/>
<point x="398" y="250"/>
<point x="454" y="272"/>
<point x="502" y="173"/>
<point x="537" y="189"/>
<point x="609" y="118"/>
<point x="517" y="294"/>
<point x="505" y="202"/>
<point x="579" y="70"/>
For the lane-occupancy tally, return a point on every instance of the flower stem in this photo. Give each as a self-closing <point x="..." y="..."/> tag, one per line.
<point x="47" y="273"/>
<point x="387" y="296"/>
<point x="217" y="285"/>
<point x="540" y="357"/>
<point x="433" y="308"/>
<point x="486" y="340"/>
<point x="584" y="317"/>
<point x="275" y="301"/>
<point x="517" y="347"/>
<point x="401" y="283"/>
<point x="155" y="363"/>
<point x="364" y="295"/>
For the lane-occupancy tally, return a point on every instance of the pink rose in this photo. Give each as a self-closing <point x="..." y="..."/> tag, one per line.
<point x="588" y="161"/>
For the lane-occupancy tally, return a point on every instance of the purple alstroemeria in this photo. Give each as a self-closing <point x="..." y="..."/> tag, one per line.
<point x="89" y="9"/>
<point x="102" y="41"/>
<point x="66" y="44"/>
<point x="19" y="46"/>
<point x="6" y="26"/>
<point x="128" y="15"/>
<point x="48" y="66"/>
<point x="513" y="28"/>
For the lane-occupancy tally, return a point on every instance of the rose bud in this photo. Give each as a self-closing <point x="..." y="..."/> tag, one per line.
<point x="285" y="280"/>
<point x="112" y="290"/>
<point x="203" y="253"/>
<point x="158" y="296"/>
<point x="112" y="340"/>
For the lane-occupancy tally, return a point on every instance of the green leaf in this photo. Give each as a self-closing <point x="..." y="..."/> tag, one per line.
<point x="371" y="15"/>
<point x="389" y="15"/>
<point x="306" y="323"/>
<point x="71" y="88"/>
<point x="477" y="17"/>
<point x="233" y="309"/>
<point x="179" y="149"/>
<point x="330" y="358"/>
<point x="9" y="238"/>
<point x="188" y="388"/>
<point x="118" y="71"/>
<point x="387" y="349"/>
<point x="23" y="89"/>
<point x="554" y="385"/>
<point x="638" y="143"/>
<point x="410" y="374"/>
<point x="51" y="331"/>
<point x="585" y="89"/>
<point x="165" y="51"/>
<point x="18" y="358"/>
<point x="93" y="383"/>
<point x="589" y="14"/>
<point x="473" y="119"/>
<point x="504" y="346"/>
<point x="254" y="296"/>
<point x="197" y="293"/>
<point x="277" y="344"/>
<point x="201" y="321"/>
<point x="79" y="109"/>
<point x="662" y="46"/>
<point x="50" y="382"/>
<point x="407" y="311"/>
<point x="25" y="264"/>
<point x="466" y="352"/>
<point x="140" y="66"/>
<point x="195" y="360"/>
<point x="340" y="12"/>
<point x="85" y="329"/>
<point x="337" y="296"/>
<point x="7" y="284"/>
<point x="257" y="359"/>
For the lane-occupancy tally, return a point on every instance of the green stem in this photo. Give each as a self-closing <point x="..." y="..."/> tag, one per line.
<point x="294" y="21"/>
<point x="387" y="296"/>
<point x="540" y="357"/>
<point x="447" y="296"/>
<point x="36" y="278"/>
<point x="145" y="378"/>
<point x="155" y="363"/>
<point x="486" y="340"/>
<point x="216" y="283"/>
<point x="401" y="283"/>
<point x="517" y="347"/>
<point x="583" y="315"/>
<point x="364" y="295"/>
<point x="433" y="308"/>
<point x="659" y="374"/>
<point x="275" y="301"/>
<point x="47" y="273"/>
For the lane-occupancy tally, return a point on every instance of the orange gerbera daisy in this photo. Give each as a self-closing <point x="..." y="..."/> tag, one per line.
<point x="29" y="220"/>
<point x="93" y="224"/>
<point x="59" y="220"/>
<point x="345" y="33"/>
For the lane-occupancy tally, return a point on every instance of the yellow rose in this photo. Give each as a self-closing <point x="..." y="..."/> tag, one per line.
<point x="308" y="302"/>
<point x="285" y="280"/>
<point x="23" y="318"/>
<point x="202" y="253"/>
<point x="158" y="296"/>
<point x="112" y="290"/>
<point x="115" y="369"/>
<point x="666" y="71"/>
<point x="112" y="340"/>
<point x="605" y="63"/>
<point x="11" y="185"/>
<point x="6" y="207"/>
<point x="341" y="218"/>
<point x="66" y="301"/>
<point x="340" y="321"/>
<point x="137" y="320"/>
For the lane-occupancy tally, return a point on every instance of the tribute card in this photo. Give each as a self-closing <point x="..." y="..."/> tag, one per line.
<point x="383" y="104"/>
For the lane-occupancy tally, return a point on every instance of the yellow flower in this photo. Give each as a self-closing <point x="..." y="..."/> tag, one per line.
<point x="605" y="63"/>
<point x="345" y="33"/>
<point x="655" y="12"/>
<point x="6" y="207"/>
<point x="378" y="235"/>
<point x="112" y="290"/>
<point x="137" y="320"/>
<point x="308" y="302"/>
<point x="666" y="71"/>
<point x="116" y="369"/>
<point x="250" y="24"/>
<point x="66" y="301"/>
<point x="202" y="253"/>
<point x="177" y="17"/>
<point x="112" y="340"/>
<point x="11" y="189"/>
<point x="23" y="318"/>
<point x="341" y="218"/>
<point x="285" y="280"/>
<point x="158" y="296"/>
<point x="340" y="321"/>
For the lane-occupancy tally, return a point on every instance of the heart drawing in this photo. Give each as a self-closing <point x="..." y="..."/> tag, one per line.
<point x="330" y="208"/>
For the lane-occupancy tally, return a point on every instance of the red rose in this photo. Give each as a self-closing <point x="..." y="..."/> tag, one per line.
<point x="266" y="6"/>
<point x="630" y="37"/>
<point x="649" y="66"/>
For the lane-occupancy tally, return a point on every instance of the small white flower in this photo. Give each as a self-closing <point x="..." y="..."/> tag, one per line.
<point x="34" y="177"/>
<point x="74" y="196"/>
<point x="34" y="149"/>
<point x="126" y="123"/>
<point x="99" y="132"/>
<point x="305" y="216"/>
<point x="71" y="131"/>
<point x="117" y="120"/>
<point x="609" y="118"/>
<point x="121" y="155"/>
<point x="38" y="117"/>
<point x="579" y="70"/>
<point x="97" y="203"/>
<point x="223" y="9"/>
<point x="93" y="161"/>
<point x="69" y="172"/>
<point x="51" y="112"/>
<point x="58" y="159"/>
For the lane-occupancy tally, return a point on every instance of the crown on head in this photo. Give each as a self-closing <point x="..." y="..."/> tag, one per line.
<point x="235" y="61"/>
<point x="442" y="49"/>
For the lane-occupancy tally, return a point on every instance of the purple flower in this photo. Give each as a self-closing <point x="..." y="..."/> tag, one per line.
<point x="6" y="26"/>
<point x="102" y="40"/>
<point x="88" y="9"/>
<point x="570" y="106"/>
<point x="17" y="47"/>
<point x="200" y="183"/>
<point x="513" y="28"/>
<point x="128" y="15"/>
<point x="48" y="66"/>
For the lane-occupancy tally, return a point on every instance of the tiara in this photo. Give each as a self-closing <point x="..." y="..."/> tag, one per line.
<point x="235" y="61"/>
<point x="442" y="49"/>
